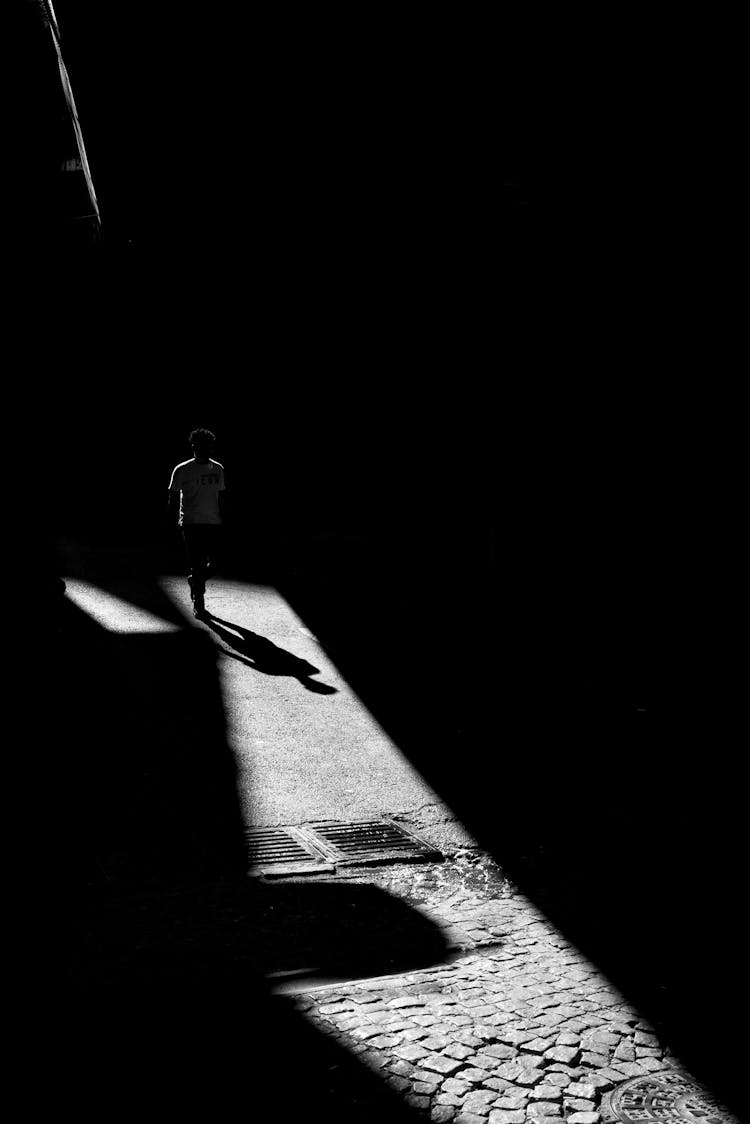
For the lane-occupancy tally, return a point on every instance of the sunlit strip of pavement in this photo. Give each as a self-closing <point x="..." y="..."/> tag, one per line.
<point x="305" y="745"/>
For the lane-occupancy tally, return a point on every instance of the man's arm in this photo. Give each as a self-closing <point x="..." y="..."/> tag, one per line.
<point x="173" y="507"/>
<point x="173" y="497"/>
<point x="222" y="496"/>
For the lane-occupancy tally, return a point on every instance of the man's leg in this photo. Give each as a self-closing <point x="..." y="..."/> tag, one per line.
<point x="188" y="544"/>
<point x="195" y="547"/>
<point x="200" y="569"/>
<point x="214" y="542"/>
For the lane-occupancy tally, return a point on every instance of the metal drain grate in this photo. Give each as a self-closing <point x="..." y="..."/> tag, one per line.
<point x="283" y="850"/>
<point x="366" y="842"/>
<point x="321" y="847"/>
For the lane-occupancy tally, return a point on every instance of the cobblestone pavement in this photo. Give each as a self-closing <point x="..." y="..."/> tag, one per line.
<point x="520" y="1026"/>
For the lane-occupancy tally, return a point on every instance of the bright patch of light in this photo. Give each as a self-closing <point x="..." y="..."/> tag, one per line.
<point x="112" y="612"/>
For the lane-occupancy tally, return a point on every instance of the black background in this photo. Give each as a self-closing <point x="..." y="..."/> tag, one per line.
<point x="479" y="444"/>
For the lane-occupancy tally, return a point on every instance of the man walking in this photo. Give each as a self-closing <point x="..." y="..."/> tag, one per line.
<point x="199" y="486"/>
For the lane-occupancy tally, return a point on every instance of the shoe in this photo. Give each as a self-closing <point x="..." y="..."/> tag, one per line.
<point x="199" y="609"/>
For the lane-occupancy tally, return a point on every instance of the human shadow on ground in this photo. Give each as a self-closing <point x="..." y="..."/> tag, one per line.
<point x="263" y="655"/>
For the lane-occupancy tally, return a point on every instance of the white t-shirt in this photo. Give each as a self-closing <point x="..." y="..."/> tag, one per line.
<point x="198" y="486"/>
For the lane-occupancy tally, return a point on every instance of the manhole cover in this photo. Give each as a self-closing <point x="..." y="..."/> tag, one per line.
<point x="668" y="1097"/>
<point x="282" y="850"/>
<point x="370" y="841"/>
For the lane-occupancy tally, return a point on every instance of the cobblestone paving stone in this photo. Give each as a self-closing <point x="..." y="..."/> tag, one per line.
<point x="520" y="1028"/>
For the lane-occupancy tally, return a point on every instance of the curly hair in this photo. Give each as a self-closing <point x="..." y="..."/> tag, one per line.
<point x="202" y="439"/>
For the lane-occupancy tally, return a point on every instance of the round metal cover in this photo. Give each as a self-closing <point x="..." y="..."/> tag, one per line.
<point x="668" y="1097"/>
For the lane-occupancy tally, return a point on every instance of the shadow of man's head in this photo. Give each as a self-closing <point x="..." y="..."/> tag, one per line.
<point x="318" y="688"/>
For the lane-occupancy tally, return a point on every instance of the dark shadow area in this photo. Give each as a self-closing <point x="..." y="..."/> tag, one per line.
<point x="146" y="946"/>
<point x="201" y="1045"/>
<point x="250" y="929"/>
<point x="263" y="655"/>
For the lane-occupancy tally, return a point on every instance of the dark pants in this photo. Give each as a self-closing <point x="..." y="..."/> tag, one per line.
<point x="202" y="545"/>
